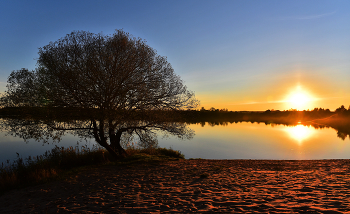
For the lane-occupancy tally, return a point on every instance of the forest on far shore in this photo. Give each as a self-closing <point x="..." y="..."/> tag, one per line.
<point x="287" y="117"/>
<point x="291" y="116"/>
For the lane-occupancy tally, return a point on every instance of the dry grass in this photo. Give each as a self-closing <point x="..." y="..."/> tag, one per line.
<point x="61" y="161"/>
<point x="39" y="169"/>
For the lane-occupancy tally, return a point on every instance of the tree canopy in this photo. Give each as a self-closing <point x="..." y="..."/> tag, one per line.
<point x="128" y="88"/>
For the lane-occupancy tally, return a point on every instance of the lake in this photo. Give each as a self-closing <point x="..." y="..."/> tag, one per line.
<point x="243" y="140"/>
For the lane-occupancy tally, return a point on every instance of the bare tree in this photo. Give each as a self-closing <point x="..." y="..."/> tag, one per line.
<point x="128" y="88"/>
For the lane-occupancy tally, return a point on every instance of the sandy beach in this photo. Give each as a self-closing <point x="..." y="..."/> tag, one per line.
<point x="202" y="186"/>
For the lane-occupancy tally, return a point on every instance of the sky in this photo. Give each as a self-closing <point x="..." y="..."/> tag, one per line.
<point x="235" y="54"/>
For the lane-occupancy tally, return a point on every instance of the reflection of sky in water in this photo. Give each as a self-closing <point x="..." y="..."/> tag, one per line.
<point x="10" y="145"/>
<point x="233" y="141"/>
<point x="259" y="141"/>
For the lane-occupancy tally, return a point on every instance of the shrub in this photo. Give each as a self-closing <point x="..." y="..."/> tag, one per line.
<point x="171" y="153"/>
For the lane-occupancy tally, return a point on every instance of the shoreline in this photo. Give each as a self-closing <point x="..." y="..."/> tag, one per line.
<point x="193" y="185"/>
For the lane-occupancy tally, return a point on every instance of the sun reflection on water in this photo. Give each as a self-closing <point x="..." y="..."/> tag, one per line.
<point x="300" y="132"/>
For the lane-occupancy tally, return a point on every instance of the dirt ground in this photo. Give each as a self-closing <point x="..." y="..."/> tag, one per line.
<point x="202" y="186"/>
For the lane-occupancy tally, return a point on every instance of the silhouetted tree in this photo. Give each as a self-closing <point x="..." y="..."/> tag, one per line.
<point x="126" y="85"/>
<point x="341" y="109"/>
<point x="23" y="89"/>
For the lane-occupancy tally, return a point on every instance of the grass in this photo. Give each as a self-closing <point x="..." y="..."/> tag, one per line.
<point x="61" y="161"/>
<point x="162" y="152"/>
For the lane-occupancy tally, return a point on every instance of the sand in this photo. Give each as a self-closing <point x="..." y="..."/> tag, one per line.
<point x="202" y="186"/>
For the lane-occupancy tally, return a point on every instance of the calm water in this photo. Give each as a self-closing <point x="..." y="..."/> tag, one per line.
<point x="259" y="141"/>
<point x="233" y="141"/>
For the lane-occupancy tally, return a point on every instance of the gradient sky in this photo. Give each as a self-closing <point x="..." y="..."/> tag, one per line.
<point x="239" y="55"/>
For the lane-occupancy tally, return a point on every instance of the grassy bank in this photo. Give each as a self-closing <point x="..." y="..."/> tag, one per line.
<point x="61" y="161"/>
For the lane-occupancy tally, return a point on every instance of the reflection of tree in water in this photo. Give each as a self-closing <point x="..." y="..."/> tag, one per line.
<point x="342" y="135"/>
<point x="44" y="131"/>
<point x="217" y="123"/>
<point x="30" y="129"/>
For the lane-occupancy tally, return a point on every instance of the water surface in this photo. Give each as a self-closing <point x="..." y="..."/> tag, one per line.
<point x="259" y="141"/>
<point x="231" y="141"/>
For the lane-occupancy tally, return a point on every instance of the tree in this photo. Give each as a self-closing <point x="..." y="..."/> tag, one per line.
<point x="123" y="83"/>
<point x="341" y="109"/>
<point x="23" y="89"/>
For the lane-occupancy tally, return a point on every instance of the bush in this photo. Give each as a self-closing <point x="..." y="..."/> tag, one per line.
<point x="155" y="151"/>
<point x="171" y="153"/>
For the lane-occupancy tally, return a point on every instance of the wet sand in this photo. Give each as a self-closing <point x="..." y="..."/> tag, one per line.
<point x="202" y="186"/>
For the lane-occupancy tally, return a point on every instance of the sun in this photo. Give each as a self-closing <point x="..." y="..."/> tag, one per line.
<point x="299" y="99"/>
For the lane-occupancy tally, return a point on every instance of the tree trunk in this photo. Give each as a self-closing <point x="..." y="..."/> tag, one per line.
<point x="101" y="139"/>
<point x="111" y="151"/>
<point x="115" y="142"/>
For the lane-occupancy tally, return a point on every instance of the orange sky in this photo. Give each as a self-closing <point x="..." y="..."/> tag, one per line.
<point x="292" y="90"/>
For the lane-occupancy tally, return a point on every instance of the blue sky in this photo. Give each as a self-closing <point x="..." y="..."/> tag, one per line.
<point x="240" y="55"/>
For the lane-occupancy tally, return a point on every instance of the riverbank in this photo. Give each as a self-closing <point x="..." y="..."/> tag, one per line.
<point x="198" y="185"/>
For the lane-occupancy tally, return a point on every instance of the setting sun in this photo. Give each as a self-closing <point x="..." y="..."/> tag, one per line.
<point x="299" y="99"/>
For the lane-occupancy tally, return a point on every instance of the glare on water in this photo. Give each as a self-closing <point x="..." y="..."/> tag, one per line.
<point x="300" y="132"/>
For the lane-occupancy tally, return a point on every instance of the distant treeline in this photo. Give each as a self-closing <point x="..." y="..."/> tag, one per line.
<point x="43" y="112"/>
<point x="268" y="116"/>
<point x="191" y="116"/>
